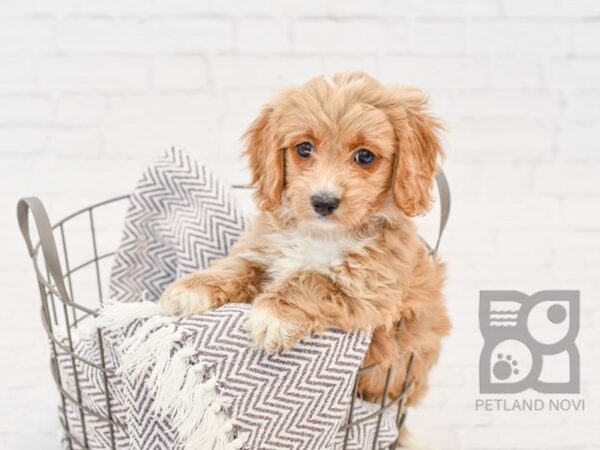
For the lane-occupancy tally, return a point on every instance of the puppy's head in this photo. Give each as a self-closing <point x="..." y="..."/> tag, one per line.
<point x="339" y="149"/>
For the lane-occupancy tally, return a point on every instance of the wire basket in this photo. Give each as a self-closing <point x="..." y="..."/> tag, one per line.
<point x="72" y="291"/>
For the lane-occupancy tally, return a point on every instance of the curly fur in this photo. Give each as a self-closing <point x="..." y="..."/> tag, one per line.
<point x="362" y="267"/>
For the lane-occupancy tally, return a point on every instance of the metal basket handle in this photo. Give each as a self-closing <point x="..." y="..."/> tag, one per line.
<point x="445" y="201"/>
<point x="47" y="242"/>
<point x="50" y="253"/>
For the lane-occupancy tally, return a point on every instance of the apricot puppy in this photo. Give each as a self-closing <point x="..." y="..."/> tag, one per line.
<point x="339" y="166"/>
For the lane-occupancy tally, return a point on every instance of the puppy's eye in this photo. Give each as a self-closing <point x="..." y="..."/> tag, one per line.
<point x="305" y="149"/>
<point x="364" y="157"/>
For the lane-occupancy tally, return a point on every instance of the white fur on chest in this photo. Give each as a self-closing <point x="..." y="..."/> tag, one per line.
<point x="298" y="251"/>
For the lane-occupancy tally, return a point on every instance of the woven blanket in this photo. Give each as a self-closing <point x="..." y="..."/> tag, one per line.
<point x="198" y="383"/>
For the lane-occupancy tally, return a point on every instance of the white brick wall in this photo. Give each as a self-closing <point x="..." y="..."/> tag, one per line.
<point x="91" y="91"/>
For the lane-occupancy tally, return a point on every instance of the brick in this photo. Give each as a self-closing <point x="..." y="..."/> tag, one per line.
<point x="234" y="7"/>
<point x="172" y="7"/>
<point x="13" y="182"/>
<point x="12" y="8"/>
<point x="231" y="131"/>
<point x="568" y="179"/>
<point x="494" y="140"/>
<point x="24" y="35"/>
<point x="441" y="438"/>
<point x="582" y="107"/>
<point x="537" y="9"/>
<point x="101" y="73"/>
<point x="517" y="37"/>
<point x="573" y="73"/>
<point x="425" y="72"/>
<point x="103" y="35"/>
<point x="144" y="126"/>
<point x="436" y="38"/>
<point x="268" y="72"/>
<point x="340" y="63"/>
<point x="586" y="36"/>
<point x="331" y="36"/>
<point x="444" y="375"/>
<point x="485" y="8"/>
<point x="439" y="417"/>
<point x="58" y="176"/>
<point x="514" y="72"/>
<point x="180" y="73"/>
<point x="246" y="100"/>
<point x="192" y="34"/>
<point x="576" y="142"/>
<point x="477" y="243"/>
<point x="467" y="293"/>
<point x="62" y="8"/>
<point x="442" y="9"/>
<point x="525" y="249"/>
<point x="22" y="141"/>
<point x="76" y="142"/>
<point x="397" y="36"/>
<point x="508" y="212"/>
<point x="25" y="110"/>
<point x="17" y="75"/>
<point x="581" y="212"/>
<point x="500" y="104"/>
<point x="150" y="35"/>
<point x="442" y="397"/>
<point x="467" y="342"/>
<point x="80" y="110"/>
<point x="511" y="178"/>
<point x="262" y="36"/>
<point x="233" y="170"/>
<point x="358" y="8"/>
<point x="536" y="437"/>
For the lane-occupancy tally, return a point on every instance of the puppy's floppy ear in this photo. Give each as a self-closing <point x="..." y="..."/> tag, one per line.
<point x="418" y="150"/>
<point x="266" y="161"/>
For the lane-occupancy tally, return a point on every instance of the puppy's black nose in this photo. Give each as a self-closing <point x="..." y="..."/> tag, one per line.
<point x="324" y="204"/>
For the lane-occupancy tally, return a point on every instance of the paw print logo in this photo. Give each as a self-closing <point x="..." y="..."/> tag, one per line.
<point x="510" y="362"/>
<point x="529" y="342"/>
<point x="505" y="367"/>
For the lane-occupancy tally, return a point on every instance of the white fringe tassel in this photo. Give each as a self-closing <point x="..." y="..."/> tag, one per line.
<point x="115" y="315"/>
<point x="181" y="389"/>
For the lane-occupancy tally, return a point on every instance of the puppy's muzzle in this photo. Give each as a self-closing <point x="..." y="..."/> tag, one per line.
<point x="324" y="205"/>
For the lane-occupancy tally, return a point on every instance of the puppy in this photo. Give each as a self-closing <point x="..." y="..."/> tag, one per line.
<point x="339" y="166"/>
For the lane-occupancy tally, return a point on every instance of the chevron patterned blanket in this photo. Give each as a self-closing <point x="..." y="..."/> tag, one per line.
<point x="198" y="383"/>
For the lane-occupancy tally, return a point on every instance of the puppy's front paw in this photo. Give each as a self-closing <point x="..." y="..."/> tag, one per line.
<point x="179" y="299"/>
<point x="271" y="333"/>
